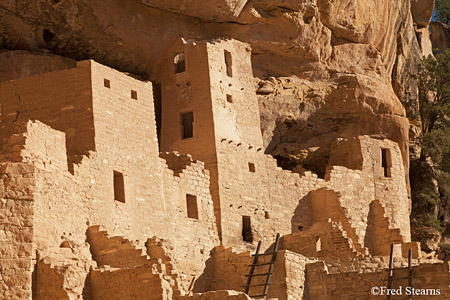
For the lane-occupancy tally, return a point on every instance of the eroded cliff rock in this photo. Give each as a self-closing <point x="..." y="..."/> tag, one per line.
<point x="325" y="68"/>
<point x="440" y="36"/>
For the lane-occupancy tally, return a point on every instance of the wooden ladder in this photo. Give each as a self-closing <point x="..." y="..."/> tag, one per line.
<point x="255" y="265"/>
<point x="391" y="271"/>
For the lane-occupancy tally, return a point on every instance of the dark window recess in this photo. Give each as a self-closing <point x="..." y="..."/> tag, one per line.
<point x="133" y="95"/>
<point x="386" y="162"/>
<point x="251" y="167"/>
<point x="229" y="99"/>
<point x="107" y="83"/>
<point x="179" y="63"/>
<point x="158" y="108"/>
<point x="191" y="205"/>
<point x="187" y="125"/>
<point x="228" y="63"/>
<point x="119" y="187"/>
<point x="47" y="35"/>
<point x="247" y="234"/>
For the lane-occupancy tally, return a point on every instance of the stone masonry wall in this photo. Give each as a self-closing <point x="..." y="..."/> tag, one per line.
<point x="61" y="99"/>
<point x="227" y="270"/>
<point x="233" y="97"/>
<point x="60" y="196"/>
<point x="67" y="202"/>
<point x="133" y="283"/>
<point x="356" y="285"/>
<point x="280" y="201"/>
<point x="17" y="185"/>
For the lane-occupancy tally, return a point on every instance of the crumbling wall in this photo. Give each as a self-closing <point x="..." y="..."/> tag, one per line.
<point x="72" y="195"/>
<point x="125" y="271"/>
<point x="325" y="240"/>
<point x="176" y="162"/>
<point x="59" y="196"/>
<point x="280" y="201"/>
<point x="131" y="283"/>
<point x="63" y="273"/>
<point x="227" y="270"/>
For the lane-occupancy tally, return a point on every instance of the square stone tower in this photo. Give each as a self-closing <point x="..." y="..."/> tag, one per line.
<point x="208" y="96"/>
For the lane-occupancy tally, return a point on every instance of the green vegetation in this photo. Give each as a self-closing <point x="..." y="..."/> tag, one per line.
<point x="434" y="108"/>
<point x="443" y="11"/>
<point x="431" y="188"/>
<point x="435" y="223"/>
<point x="444" y="246"/>
<point x="430" y="196"/>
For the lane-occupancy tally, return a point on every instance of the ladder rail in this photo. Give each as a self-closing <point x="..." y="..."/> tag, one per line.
<point x="269" y="272"/>
<point x="274" y="256"/>
<point x="252" y="268"/>
<point x="410" y="274"/>
<point x="391" y="270"/>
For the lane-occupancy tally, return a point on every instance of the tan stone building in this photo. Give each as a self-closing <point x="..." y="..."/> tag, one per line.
<point x="98" y="201"/>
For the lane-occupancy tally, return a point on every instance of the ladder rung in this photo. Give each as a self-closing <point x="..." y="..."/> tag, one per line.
<point x="262" y="274"/>
<point x="261" y="254"/>
<point x="262" y="284"/>
<point x="257" y="265"/>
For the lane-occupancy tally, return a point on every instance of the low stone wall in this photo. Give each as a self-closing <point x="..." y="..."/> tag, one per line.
<point x="226" y="270"/>
<point x="132" y="283"/>
<point x="427" y="278"/>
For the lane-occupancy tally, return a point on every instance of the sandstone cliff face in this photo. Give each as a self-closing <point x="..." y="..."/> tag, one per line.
<point x="325" y="69"/>
<point x="440" y="36"/>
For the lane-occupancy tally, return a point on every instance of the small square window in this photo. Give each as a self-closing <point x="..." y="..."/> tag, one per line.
<point x="133" y="95"/>
<point x="119" y="187"/>
<point x="229" y="98"/>
<point x="107" y="83"/>
<point x="191" y="205"/>
<point x="251" y="167"/>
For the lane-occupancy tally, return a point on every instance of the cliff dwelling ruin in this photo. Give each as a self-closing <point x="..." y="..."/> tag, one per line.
<point x="117" y="186"/>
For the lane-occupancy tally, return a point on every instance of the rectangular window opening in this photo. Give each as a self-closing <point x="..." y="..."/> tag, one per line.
<point x="133" y="95"/>
<point x="228" y="63"/>
<point x="386" y="162"/>
<point x="229" y="98"/>
<point x="187" y="125"/>
<point x="247" y="234"/>
<point x="251" y="167"/>
<point x="179" y="63"/>
<point x="191" y="205"/>
<point x="107" y="83"/>
<point x="119" y="187"/>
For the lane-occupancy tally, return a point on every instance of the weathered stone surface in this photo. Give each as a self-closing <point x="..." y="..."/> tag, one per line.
<point x="318" y="42"/>
<point x="440" y="36"/>
<point x="91" y="210"/>
<point x="422" y="11"/>
<point x="215" y="10"/>
<point x="20" y="64"/>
